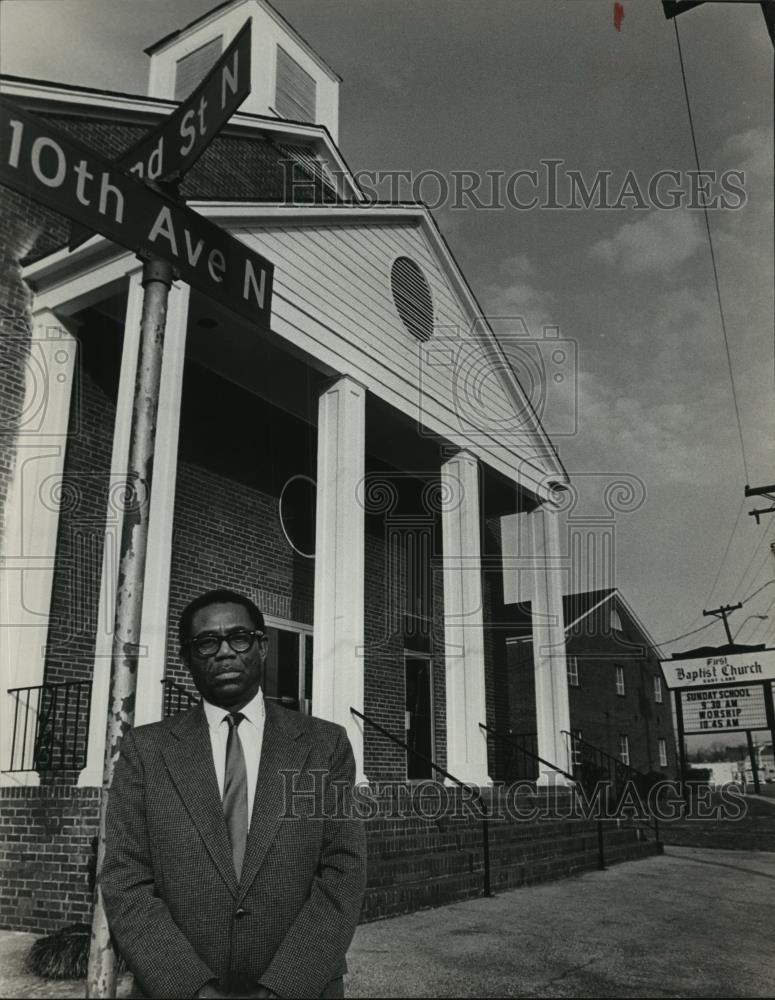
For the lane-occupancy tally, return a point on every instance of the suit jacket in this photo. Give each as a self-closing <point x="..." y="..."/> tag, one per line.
<point x="173" y="903"/>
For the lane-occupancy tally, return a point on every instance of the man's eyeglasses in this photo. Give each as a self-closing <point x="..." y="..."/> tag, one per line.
<point x="239" y="642"/>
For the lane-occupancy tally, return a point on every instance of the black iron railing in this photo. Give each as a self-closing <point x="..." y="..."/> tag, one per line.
<point x="594" y="769"/>
<point x="486" y="882"/>
<point x="177" y="698"/>
<point x="523" y="751"/>
<point x="50" y="727"/>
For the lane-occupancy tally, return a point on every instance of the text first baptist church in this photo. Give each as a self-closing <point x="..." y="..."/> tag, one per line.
<point x="368" y="469"/>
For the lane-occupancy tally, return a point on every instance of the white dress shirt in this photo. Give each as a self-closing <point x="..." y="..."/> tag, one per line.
<point x="251" y="735"/>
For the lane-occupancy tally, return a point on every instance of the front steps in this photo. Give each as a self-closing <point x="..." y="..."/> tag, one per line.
<point x="416" y="862"/>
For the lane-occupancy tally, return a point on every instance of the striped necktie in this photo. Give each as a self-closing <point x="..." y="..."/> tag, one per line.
<point x="235" y="793"/>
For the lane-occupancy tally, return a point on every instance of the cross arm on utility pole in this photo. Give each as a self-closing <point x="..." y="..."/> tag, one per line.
<point x="722" y="613"/>
<point x="761" y="491"/>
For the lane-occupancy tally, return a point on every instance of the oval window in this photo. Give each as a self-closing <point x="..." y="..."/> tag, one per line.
<point x="297" y="514"/>
<point x="412" y="296"/>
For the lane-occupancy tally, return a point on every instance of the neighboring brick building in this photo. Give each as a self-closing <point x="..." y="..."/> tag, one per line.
<point x="617" y="695"/>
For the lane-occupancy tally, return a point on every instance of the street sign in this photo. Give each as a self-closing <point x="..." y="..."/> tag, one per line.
<point x="177" y="142"/>
<point x="46" y="164"/>
<point x="724" y="708"/>
<point x="721" y="668"/>
<point x="167" y="151"/>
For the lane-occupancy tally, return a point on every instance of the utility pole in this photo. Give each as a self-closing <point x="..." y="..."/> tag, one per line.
<point x="722" y="613"/>
<point x="761" y="491"/>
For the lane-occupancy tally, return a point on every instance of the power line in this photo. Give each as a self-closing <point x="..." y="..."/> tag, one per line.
<point x="760" y="566"/>
<point x="726" y="552"/>
<point x="766" y="625"/>
<point x="712" y="252"/>
<point x="667" y="642"/>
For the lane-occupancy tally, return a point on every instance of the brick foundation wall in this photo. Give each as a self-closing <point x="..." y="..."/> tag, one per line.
<point x="46" y="856"/>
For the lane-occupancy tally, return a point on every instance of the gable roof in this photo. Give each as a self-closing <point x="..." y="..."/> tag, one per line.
<point x="576" y="608"/>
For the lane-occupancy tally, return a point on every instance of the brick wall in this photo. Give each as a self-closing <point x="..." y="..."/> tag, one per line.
<point x="45" y="857"/>
<point x="390" y="628"/>
<point x="228" y="534"/>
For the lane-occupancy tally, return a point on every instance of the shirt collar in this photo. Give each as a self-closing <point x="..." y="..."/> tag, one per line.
<point x="254" y="711"/>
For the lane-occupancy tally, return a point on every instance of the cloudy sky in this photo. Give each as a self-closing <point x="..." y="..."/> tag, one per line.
<point x="500" y="86"/>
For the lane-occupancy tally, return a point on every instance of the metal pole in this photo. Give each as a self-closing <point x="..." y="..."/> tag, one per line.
<point x="487" y="889"/>
<point x="600" y="846"/>
<point x="754" y="762"/>
<point x="157" y="279"/>
<point x="769" y="707"/>
<point x="679" y="718"/>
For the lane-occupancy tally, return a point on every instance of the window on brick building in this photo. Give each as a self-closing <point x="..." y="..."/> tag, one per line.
<point x="620" y="690"/>
<point x="658" y="690"/>
<point x="624" y="749"/>
<point x="616" y="621"/>
<point x="573" y="671"/>
<point x="662" y="745"/>
<point x="575" y="747"/>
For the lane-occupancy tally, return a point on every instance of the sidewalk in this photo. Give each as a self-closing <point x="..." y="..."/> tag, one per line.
<point x="694" y="923"/>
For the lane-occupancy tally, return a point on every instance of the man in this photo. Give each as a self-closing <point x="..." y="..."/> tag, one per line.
<point x="232" y="866"/>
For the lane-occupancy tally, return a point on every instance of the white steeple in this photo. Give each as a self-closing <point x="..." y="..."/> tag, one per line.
<point x="289" y="79"/>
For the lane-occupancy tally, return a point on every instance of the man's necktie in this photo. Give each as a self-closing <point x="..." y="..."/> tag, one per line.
<point x="235" y="792"/>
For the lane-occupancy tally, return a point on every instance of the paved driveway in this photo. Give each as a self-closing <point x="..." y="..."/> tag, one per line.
<point x="693" y="923"/>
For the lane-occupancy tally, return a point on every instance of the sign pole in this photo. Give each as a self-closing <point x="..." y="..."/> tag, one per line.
<point x="754" y="762"/>
<point x="157" y="279"/>
<point x="769" y="702"/>
<point x="679" y="718"/>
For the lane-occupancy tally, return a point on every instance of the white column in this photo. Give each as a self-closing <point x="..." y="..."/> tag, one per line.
<point x="337" y="671"/>
<point x="31" y="526"/>
<point x="551" y="678"/>
<point x="156" y="587"/>
<point x="463" y="619"/>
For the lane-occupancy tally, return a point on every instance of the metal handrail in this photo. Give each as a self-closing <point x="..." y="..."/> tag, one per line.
<point x="619" y="768"/>
<point x="511" y="739"/>
<point x="502" y="736"/>
<point x="487" y="888"/>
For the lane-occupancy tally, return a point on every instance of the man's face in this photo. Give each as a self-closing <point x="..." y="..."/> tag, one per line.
<point x="225" y="678"/>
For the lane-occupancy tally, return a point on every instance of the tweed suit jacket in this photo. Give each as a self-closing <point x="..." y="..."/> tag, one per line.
<point x="175" y="908"/>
